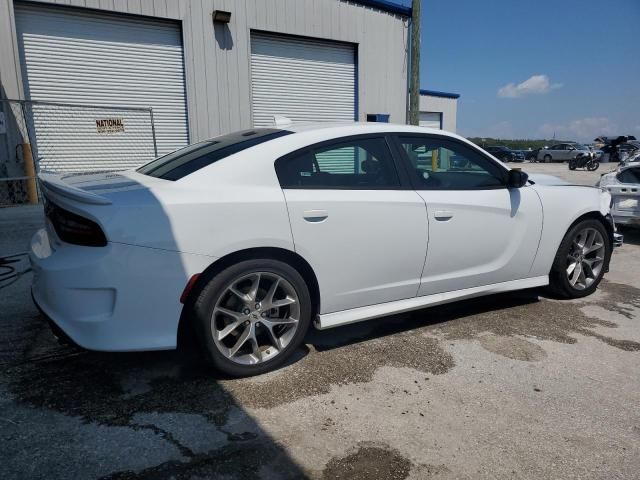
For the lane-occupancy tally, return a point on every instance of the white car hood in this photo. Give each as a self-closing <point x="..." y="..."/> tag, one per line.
<point x="544" y="179"/>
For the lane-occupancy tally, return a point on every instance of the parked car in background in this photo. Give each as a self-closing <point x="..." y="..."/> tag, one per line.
<point x="250" y="238"/>
<point x="520" y="155"/>
<point x="596" y="153"/>
<point x="628" y="149"/>
<point x="562" y="152"/>
<point x="531" y="155"/>
<point x="624" y="187"/>
<point x="503" y="153"/>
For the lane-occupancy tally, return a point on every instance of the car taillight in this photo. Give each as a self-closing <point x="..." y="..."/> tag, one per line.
<point x="72" y="228"/>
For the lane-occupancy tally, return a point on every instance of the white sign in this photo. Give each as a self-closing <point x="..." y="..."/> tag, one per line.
<point x="3" y="125"/>
<point x="110" y="125"/>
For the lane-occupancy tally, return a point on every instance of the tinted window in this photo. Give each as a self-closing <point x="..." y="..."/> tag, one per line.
<point x="187" y="160"/>
<point x="438" y="163"/>
<point x="358" y="163"/>
<point x="557" y="147"/>
<point x="630" y="175"/>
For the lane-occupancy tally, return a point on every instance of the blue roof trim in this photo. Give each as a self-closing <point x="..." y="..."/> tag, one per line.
<point x="387" y="6"/>
<point x="435" y="93"/>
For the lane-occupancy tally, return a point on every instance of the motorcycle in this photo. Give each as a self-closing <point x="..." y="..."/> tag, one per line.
<point x="583" y="160"/>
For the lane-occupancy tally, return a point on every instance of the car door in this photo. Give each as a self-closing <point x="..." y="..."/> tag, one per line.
<point x="362" y="229"/>
<point x="569" y="152"/>
<point x="480" y="231"/>
<point x="560" y="153"/>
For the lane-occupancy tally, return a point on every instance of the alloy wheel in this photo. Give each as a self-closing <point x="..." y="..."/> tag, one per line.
<point x="255" y="318"/>
<point x="585" y="258"/>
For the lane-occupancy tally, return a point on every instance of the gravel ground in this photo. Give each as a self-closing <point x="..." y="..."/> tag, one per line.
<point x="508" y="386"/>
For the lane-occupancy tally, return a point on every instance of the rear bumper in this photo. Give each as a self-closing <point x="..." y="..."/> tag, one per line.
<point x="114" y="298"/>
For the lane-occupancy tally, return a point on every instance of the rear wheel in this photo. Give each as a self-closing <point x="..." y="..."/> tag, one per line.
<point x="252" y="316"/>
<point x="547" y="159"/>
<point x="572" y="164"/>
<point x="580" y="261"/>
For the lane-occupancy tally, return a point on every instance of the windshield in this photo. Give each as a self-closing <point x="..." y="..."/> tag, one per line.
<point x="187" y="160"/>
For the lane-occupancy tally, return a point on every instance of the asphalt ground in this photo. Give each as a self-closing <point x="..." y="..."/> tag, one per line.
<point x="509" y="386"/>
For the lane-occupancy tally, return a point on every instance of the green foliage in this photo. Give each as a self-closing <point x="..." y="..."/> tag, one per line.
<point x="519" y="144"/>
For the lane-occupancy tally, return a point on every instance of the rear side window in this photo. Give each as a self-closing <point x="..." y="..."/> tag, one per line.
<point x="356" y="163"/>
<point x="187" y="160"/>
<point x="630" y="175"/>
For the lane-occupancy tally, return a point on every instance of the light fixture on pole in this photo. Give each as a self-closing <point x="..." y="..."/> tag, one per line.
<point x="220" y="16"/>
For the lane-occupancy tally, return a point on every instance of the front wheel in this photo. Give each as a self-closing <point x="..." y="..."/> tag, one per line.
<point x="252" y="316"/>
<point x="547" y="159"/>
<point x="572" y="164"/>
<point x="580" y="262"/>
<point x="593" y="165"/>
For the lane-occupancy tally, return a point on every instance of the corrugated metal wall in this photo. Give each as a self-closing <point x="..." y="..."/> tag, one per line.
<point x="304" y="80"/>
<point x="71" y="56"/>
<point x="217" y="58"/>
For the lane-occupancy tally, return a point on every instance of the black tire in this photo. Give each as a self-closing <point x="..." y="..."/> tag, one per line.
<point x="547" y="158"/>
<point x="216" y="286"/>
<point x="593" y="166"/>
<point x="572" y="164"/>
<point x="559" y="285"/>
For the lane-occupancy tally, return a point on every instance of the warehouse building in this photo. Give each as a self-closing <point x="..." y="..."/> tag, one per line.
<point x="438" y="109"/>
<point x="205" y="67"/>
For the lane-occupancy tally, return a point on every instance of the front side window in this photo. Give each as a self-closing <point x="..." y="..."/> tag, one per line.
<point x="187" y="160"/>
<point x="357" y="163"/>
<point x="439" y="163"/>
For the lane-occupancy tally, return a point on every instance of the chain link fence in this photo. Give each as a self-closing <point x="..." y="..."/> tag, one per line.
<point x="68" y="138"/>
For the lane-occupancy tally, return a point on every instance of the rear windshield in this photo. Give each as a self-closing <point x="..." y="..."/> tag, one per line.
<point x="187" y="160"/>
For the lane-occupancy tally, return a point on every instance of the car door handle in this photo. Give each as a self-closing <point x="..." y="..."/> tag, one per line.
<point x="443" y="215"/>
<point x="315" y="216"/>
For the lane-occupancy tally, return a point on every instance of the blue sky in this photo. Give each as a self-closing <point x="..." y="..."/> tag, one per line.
<point x="583" y="55"/>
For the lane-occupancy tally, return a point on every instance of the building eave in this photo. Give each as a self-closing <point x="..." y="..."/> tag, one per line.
<point x="387" y="6"/>
<point x="436" y="93"/>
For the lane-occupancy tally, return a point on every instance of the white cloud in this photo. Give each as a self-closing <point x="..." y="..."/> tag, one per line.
<point x="536" y="84"/>
<point x="583" y="129"/>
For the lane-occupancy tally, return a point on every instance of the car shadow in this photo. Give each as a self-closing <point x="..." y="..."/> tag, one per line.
<point x="323" y="340"/>
<point x="159" y="415"/>
<point x="631" y="235"/>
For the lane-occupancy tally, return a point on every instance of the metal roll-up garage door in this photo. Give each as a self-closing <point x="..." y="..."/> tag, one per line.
<point x="306" y="80"/>
<point x="82" y="57"/>
<point x="431" y="119"/>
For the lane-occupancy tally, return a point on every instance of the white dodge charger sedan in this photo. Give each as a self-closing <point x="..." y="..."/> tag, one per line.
<point x="250" y="237"/>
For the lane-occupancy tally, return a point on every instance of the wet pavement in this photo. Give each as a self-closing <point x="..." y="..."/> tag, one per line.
<point x="509" y="386"/>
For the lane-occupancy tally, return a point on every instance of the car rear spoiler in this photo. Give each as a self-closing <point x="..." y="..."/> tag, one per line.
<point x="50" y="182"/>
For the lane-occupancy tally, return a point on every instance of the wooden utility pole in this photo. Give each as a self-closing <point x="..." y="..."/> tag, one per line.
<point x="414" y="82"/>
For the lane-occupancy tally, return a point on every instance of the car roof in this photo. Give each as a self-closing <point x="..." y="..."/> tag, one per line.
<point x="345" y="129"/>
<point x="360" y="127"/>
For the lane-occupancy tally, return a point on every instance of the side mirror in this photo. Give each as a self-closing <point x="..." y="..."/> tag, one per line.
<point x="517" y="178"/>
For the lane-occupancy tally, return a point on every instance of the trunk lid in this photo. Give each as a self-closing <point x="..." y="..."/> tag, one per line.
<point x="95" y="188"/>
